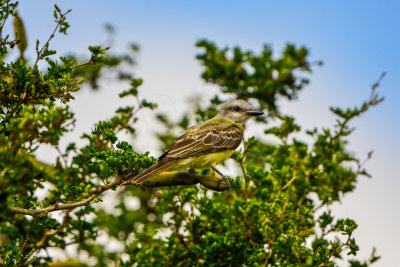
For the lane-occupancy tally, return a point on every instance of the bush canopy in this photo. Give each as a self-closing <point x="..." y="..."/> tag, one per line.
<point x="278" y="211"/>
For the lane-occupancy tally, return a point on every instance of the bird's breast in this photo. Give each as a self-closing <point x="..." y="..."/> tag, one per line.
<point x="205" y="161"/>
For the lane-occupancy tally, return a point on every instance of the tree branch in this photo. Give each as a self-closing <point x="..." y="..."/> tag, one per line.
<point x="73" y="205"/>
<point x="163" y="179"/>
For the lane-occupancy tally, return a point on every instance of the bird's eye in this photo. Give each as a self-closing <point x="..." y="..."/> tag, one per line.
<point x="236" y="108"/>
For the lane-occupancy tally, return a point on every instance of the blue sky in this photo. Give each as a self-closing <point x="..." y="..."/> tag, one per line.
<point x="356" y="40"/>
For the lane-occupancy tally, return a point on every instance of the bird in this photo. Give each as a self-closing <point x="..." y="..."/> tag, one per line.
<point x="206" y="144"/>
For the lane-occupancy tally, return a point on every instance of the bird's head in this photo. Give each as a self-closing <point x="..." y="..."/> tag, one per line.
<point x="238" y="111"/>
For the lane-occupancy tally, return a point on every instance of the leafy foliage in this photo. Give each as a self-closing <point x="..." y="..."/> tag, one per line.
<point x="277" y="212"/>
<point x="261" y="77"/>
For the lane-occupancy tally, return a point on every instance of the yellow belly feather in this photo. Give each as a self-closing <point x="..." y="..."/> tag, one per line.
<point x="204" y="161"/>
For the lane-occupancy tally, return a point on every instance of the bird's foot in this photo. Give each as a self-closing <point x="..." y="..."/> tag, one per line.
<point x="221" y="179"/>
<point x="193" y="172"/>
<point x="224" y="179"/>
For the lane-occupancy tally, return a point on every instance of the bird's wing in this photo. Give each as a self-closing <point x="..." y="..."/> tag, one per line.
<point x="209" y="138"/>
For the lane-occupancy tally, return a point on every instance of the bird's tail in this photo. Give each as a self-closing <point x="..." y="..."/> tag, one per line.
<point x="150" y="172"/>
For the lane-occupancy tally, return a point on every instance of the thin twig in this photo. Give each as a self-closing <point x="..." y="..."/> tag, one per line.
<point x="360" y="165"/>
<point x="4" y="21"/>
<point x="290" y="181"/>
<point x="377" y="83"/>
<point x="371" y="102"/>
<point x="62" y="156"/>
<point x="89" y="62"/>
<point x="47" y="233"/>
<point x="346" y="244"/>
<point x="246" y="177"/>
<point x="11" y="113"/>
<point x="39" y="52"/>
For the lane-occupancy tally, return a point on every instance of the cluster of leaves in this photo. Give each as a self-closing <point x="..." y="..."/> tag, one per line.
<point x="34" y="111"/>
<point x="277" y="212"/>
<point x="261" y="77"/>
<point x="115" y="65"/>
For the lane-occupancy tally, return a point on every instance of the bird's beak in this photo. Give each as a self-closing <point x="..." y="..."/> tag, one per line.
<point x="254" y="112"/>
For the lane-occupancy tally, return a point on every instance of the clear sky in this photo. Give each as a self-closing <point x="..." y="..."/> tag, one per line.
<point x="356" y="40"/>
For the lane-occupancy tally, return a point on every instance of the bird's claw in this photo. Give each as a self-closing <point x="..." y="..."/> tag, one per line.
<point x="193" y="172"/>
<point x="221" y="179"/>
<point x="224" y="179"/>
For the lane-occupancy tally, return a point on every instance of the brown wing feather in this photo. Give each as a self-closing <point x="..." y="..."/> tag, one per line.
<point x="205" y="140"/>
<point x="150" y="172"/>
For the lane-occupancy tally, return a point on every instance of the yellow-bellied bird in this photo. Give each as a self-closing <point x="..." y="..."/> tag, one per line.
<point x="206" y="144"/>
